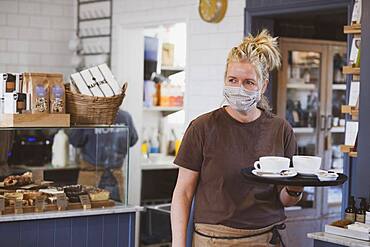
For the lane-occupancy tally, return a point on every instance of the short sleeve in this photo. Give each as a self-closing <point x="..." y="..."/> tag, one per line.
<point x="190" y="154"/>
<point x="290" y="143"/>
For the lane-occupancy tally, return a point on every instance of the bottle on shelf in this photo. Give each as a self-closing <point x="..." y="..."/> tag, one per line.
<point x="361" y="212"/>
<point x="154" y="142"/>
<point x="350" y="212"/>
<point x="60" y="149"/>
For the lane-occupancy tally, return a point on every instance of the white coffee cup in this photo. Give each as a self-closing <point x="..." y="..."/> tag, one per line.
<point x="309" y="164"/>
<point x="272" y="163"/>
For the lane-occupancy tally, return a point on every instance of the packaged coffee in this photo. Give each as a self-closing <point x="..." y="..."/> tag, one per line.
<point x="38" y="86"/>
<point x="57" y="93"/>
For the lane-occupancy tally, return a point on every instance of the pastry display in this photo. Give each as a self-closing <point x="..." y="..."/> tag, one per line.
<point x="98" y="197"/>
<point x="18" y="180"/>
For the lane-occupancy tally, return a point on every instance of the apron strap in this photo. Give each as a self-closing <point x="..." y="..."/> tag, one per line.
<point x="275" y="239"/>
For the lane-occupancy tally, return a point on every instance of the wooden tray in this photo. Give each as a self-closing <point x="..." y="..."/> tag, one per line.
<point x="298" y="180"/>
<point x="34" y="120"/>
<point x="43" y="184"/>
<point x="71" y="206"/>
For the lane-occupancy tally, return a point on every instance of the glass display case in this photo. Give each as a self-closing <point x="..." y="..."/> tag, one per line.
<point x="91" y="160"/>
<point x="311" y="89"/>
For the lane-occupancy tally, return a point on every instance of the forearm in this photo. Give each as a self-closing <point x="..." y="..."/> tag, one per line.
<point x="288" y="200"/>
<point x="180" y="209"/>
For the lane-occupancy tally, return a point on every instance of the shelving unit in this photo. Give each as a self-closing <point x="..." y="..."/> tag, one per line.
<point x="303" y="130"/>
<point x="94" y="18"/>
<point x="353" y="73"/>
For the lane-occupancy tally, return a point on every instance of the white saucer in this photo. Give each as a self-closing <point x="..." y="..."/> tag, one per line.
<point x="291" y="173"/>
<point x="310" y="173"/>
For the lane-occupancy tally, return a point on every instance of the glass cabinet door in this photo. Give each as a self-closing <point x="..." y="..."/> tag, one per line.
<point x="299" y="97"/>
<point x="336" y="121"/>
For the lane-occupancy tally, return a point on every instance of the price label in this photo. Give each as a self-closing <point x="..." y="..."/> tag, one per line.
<point x="61" y="201"/>
<point x="39" y="204"/>
<point x="38" y="176"/>
<point x="18" y="207"/>
<point x="2" y="205"/>
<point x="85" y="201"/>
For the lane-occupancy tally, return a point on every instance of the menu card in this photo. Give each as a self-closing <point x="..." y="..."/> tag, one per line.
<point x="85" y="201"/>
<point x="351" y="133"/>
<point x="2" y="205"/>
<point x="356" y="13"/>
<point x="38" y="176"/>
<point x="354" y="93"/>
<point x="18" y="207"/>
<point x="356" y="43"/>
<point x="39" y="204"/>
<point x="61" y="201"/>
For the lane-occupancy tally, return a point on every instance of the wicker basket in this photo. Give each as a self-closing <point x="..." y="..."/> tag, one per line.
<point x="86" y="110"/>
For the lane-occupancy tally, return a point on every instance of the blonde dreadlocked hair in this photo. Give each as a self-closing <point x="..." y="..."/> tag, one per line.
<point x="262" y="52"/>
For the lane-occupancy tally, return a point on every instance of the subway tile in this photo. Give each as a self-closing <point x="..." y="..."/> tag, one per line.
<point x="17" y="46"/>
<point x="8" y="6"/>
<point x="8" y="32"/>
<point x="29" y="8"/>
<point x="17" y="20"/>
<point x="40" y="21"/>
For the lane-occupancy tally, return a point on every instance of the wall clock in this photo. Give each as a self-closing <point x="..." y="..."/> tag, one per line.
<point x="212" y="11"/>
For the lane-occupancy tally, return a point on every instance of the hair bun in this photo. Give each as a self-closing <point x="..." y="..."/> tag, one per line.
<point x="263" y="46"/>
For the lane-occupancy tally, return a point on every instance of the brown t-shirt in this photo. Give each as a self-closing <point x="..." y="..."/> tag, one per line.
<point x="218" y="146"/>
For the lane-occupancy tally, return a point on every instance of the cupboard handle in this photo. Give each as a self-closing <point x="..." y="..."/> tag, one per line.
<point x="322" y="122"/>
<point x="330" y="122"/>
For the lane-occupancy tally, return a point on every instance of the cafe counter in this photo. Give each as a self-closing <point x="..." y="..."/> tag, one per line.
<point x="323" y="239"/>
<point x="113" y="226"/>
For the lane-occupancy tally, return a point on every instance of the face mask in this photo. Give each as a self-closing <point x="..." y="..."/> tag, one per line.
<point x="241" y="99"/>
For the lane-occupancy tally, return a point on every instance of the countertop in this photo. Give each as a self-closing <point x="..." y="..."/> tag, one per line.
<point x="336" y="239"/>
<point x="118" y="209"/>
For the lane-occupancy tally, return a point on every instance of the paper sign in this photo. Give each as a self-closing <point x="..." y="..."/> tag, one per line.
<point x="85" y="201"/>
<point x="354" y="93"/>
<point x="38" y="176"/>
<point x="351" y="133"/>
<point x="2" y="205"/>
<point x="39" y="204"/>
<point x="61" y="201"/>
<point x="18" y="207"/>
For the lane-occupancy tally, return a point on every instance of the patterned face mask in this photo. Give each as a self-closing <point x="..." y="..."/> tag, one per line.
<point x="241" y="99"/>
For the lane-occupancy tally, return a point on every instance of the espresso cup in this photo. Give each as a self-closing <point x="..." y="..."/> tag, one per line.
<point x="272" y="163"/>
<point x="302" y="163"/>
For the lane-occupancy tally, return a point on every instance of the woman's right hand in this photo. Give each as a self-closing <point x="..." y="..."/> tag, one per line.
<point x="187" y="181"/>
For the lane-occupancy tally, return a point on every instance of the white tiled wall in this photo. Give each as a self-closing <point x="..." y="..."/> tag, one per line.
<point x="208" y="44"/>
<point x="34" y="35"/>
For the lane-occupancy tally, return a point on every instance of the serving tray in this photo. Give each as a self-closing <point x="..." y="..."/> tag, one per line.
<point x="298" y="180"/>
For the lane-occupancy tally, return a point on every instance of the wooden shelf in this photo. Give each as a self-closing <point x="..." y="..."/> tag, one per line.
<point x="337" y="129"/>
<point x="349" y="70"/>
<point x="352" y="29"/>
<point x="353" y="154"/>
<point x="301" y="86"/>
<point x="352" y="110"/>
<point x="164" y="108"/>
<point x="34" y="120"/>
<point x="346" y="148"/>
<point x="339" y="86"/>
<point x="303" y="130"/>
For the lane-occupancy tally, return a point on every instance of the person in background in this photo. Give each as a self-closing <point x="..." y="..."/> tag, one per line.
<point x="229" y="210"/>
<point x="103" y="152"/>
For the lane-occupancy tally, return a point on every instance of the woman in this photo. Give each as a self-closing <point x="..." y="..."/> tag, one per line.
<point x="230" y="211"/>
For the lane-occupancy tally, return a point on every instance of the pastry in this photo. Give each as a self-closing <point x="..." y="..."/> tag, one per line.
<point x="341" y="223"/>
<point x="18" y="180"/>
<point x="73" y="192"/>
<point x="97" y="194"/>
